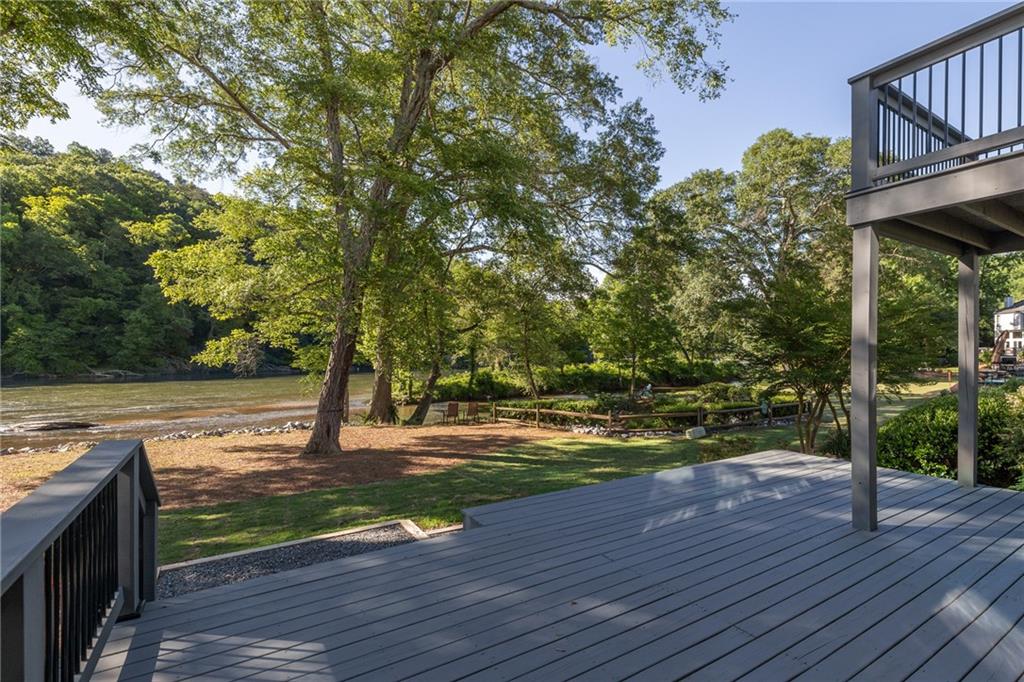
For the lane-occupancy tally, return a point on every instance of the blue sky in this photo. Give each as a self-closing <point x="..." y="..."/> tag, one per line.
<point x="788" y="64"/>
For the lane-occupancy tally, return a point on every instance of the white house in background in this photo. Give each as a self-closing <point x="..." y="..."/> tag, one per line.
<point x="1010" y="319"/>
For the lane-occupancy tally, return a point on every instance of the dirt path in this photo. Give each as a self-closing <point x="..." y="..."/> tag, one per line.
<point x="205" y="471"/>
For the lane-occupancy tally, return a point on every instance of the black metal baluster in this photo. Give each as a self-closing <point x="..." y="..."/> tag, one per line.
<point x="883" y="152"/>
<point x="931" y="113"/>
<point x="963" y="99"/>
<point x="945" y="106"/>
<point x="914" y="129"/>
<point x="1020" y="72"/>
<point x="86" y="580"/>
<point x="76" y="592"/>
<point x="49" y="587"/>
<point x="94" y="614"/>
<point x="981" y="91"/>
<point x="111" y="540"/>
<point x="83" y="592"/>
<point x="999" y="90"/>
<point x="65" y="616"/>
<point x="111" y="544"/>
<point x="899" y="105"/>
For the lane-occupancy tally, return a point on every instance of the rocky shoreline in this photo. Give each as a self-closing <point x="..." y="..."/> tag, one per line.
<point x="290" y="426"/>
<point x="287" y="427"/>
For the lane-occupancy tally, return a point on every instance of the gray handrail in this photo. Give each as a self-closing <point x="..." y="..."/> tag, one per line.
<point x="77" y="554"/>
<point x="948" y="45"/>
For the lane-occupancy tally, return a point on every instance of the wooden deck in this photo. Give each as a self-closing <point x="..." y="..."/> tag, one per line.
<point x="745" y="568"/>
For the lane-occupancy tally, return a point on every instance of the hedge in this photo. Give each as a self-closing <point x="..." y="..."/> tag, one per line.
<point x="924" y="438"/>
<point x="589" y="379"/>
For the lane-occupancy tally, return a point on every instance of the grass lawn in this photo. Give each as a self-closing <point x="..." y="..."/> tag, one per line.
<point x="434" y="500"/>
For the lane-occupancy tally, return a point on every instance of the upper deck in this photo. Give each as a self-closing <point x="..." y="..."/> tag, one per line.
<point x="938" y="141"/>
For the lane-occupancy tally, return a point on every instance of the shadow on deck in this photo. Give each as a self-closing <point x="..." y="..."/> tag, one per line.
<point x="744" y="567"/>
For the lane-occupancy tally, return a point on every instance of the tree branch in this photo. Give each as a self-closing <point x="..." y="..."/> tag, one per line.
<point x="256" y="119"/>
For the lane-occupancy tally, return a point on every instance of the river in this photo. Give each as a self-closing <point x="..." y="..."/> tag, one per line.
<point x="139" y="409"/>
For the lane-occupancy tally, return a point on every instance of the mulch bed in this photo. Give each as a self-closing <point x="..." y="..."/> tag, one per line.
<point x="205" y="471"/>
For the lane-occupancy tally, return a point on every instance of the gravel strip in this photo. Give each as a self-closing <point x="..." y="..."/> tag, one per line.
<point x="187" y="579"/>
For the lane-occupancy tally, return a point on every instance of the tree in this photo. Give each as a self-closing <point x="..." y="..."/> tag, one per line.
<point x="775" y="235"/>
<point x="696" y="213"/>
<point x="77" y="230"/>
<point x="375" y="116"/>
<point x="629" y="324"/>
<point x="44" y="43"/>
<point x="524" y="330"/>
<point x="629" y="318"/>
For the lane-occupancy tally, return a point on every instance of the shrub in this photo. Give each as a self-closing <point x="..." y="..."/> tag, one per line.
<point x="675" y="372"/>
<point x="486" y="384"/>
<point x="924" y="438"/>
<point x="836" y="444"/>
<point x="587" y="378"/>
<point x="721" y="392"/>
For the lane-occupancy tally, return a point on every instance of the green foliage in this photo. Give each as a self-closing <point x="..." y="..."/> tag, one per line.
<point x="924" y="438"/>
<point x="487" y="384"/>
<point x="594" y="378"/>
<point x="589" y="378"/>
<point x="717" y="392"/>
<point x="78" y="293"/>
<point x="629" y="322"/>
<point x="44" y="44"/>
<point x="836" y="444"/>
<point x="768" y="282"/>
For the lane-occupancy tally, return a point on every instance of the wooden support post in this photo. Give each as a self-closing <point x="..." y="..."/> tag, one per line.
<point x="700" y="415"/>
<point x="537" y="417"/>
<point x="128" y="517"/>
<point x="494" y="413"/>
<point x="967" y="441"/>
<point x="609" y="419"/>
<point x="23" y="627"/>
<point x="864" y="379"/>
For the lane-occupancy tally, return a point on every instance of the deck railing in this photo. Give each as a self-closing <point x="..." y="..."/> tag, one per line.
<point x="956" y="101"/>
<point x="78" y="554"/>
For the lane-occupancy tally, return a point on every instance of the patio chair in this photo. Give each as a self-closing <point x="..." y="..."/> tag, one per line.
<point x="450" y="412"/>
<point x="473" y="412"/>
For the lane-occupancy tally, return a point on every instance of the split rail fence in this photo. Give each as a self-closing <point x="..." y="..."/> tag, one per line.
<point x="724" y="418"/>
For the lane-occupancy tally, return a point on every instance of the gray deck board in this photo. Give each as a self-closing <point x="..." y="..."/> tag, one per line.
<point x="310" y="592"/>
<point x="490" y="550"/>
<point x="744" y="567"/>
<point x="532" y="566"/>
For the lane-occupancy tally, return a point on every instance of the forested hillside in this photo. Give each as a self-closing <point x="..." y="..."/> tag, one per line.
<point x="78" y="296"/>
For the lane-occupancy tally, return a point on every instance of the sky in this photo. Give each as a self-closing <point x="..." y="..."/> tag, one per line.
<point x="788" y="64"/>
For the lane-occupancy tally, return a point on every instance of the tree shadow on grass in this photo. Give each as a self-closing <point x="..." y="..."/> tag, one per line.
<point x="269" y="469"/>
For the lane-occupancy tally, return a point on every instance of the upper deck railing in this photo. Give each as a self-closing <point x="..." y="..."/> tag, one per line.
<point x="77" y="554"/>
<point x="955" y="101"/>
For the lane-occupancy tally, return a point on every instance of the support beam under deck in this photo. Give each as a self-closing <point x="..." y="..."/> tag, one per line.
<point x="967" y="441"/>
<point x="864" y="378"/>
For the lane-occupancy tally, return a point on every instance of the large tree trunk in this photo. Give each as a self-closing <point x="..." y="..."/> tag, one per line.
<point x="332" y="405"/>
<point x="427" y="397"/>
<point x="382" y="408"/>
